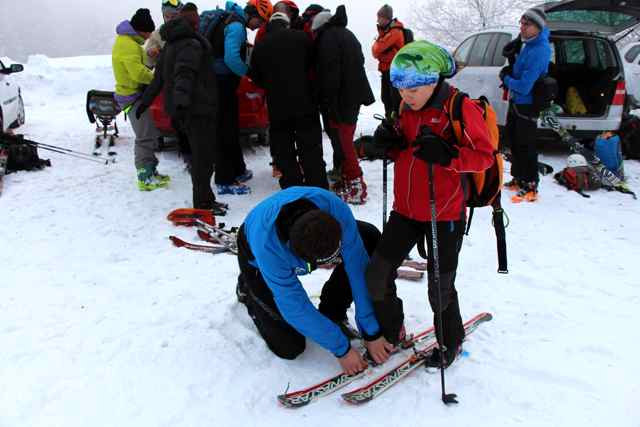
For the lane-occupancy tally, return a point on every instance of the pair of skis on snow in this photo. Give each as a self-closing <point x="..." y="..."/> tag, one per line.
<point x="221" y="240"/>
<point x="383" y="382"/>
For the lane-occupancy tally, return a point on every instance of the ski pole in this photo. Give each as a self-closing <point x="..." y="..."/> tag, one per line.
<point x="384" y="192"/>
<point x="446" y="398"/>
<point x="59" y="149"/>
<point x="81" y="156"/>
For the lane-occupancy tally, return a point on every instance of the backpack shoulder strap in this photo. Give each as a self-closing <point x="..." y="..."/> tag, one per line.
<point x="454" y="109"/>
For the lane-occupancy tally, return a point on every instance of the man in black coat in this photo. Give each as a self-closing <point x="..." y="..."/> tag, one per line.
<point x="343" y="87"/>
<point x="190" y="91"/>
<point x="280" y="64"/>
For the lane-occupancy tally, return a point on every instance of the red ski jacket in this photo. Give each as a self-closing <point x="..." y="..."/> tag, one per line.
<point x="411" y="180"/>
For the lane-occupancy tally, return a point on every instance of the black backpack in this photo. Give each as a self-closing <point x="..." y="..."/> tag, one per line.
<point x="545" y="91"/>
<point x="408" y="35"/>
<point x="630" y="136"/>
<point x="23" y="156"/>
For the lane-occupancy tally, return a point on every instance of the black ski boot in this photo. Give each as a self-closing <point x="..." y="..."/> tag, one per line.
<point x="241" y="292"/>
<point x="433" y="361"/>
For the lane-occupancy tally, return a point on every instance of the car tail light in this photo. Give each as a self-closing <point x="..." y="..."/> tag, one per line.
<point x="619" y="96"/>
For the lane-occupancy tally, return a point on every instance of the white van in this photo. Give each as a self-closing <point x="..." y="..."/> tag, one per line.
<point x="584" y="56"/>
<point x="11" y="105"/>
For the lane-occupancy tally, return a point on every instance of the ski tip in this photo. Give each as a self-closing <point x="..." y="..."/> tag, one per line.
<point x="176" y="241"/>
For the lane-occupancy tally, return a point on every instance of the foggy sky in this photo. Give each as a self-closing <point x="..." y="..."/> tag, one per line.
<point x="86" y="27"/>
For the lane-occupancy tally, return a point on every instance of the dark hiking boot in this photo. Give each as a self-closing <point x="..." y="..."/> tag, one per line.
<point x="433" y="361"/>
<point x="241" y="292"/>
<point x="350" y="332"/>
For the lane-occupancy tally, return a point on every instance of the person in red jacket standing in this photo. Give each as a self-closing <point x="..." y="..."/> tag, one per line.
<point x="423" y="137"/>
<point x="389" y="41"/>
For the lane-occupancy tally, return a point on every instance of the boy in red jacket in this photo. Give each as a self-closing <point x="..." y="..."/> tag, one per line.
<point x="423" y="136"/>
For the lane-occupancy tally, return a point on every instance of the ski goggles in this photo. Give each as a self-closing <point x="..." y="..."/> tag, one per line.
<point x="334" y="258"/>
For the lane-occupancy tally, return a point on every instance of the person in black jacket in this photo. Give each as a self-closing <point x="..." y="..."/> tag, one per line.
<point x="190" y="99"/>
<point x="280" y="64"/>
<point x="343" y="88"/>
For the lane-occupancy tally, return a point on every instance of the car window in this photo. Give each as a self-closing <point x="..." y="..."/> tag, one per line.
<point x="462" y="52"/>
<point x="632" y="54"/>
<point x="498" y="59"/>
<point x="603" y="17"/>
<point x="1" y="66"/>
<point x="479" y="48"/>
<point x="603" y="58"/>
<point x="574" y="51"/>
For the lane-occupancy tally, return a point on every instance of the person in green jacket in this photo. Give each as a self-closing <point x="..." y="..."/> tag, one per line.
<point x="131" y="75"/>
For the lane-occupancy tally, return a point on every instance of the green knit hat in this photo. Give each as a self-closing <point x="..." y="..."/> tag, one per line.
<point x="421" y="63"/>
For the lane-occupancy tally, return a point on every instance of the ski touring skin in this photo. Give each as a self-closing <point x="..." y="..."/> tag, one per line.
<point x="299" y="398"/>
<point x="188" y="216"/>
<point x="385" y="381"/>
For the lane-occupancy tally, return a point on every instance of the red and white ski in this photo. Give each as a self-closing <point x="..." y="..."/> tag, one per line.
<point x="211" y="249"/>
<point x="385" y="381"/>
<point x="296" y="399"/>
<point x="188" y="216"/>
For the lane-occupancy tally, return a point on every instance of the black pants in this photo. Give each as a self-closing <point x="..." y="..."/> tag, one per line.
<point x="229" y="159"/>
<point x="201" y="134"/>
<point x="297" y="144"/>
<point x="332" y="133"/>
<point x="400" y="235"/>
<point x="389" y="94"/>
<point x="521" y="132"/>
<point x="281" y="338"/>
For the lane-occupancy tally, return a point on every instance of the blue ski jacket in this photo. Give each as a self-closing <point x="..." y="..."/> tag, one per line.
<point x="531" y="64"/>
<point x="280" y="268"/>
<point x="235" y="37"/>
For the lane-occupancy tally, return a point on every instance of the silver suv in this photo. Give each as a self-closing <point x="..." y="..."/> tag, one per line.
<point x="584" y="56"/>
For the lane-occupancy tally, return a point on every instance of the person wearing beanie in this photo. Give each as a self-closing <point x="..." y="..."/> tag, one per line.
<point x="131" y="76"/>
<point x="389" y="41"/>
<point x="229" y="47"/>
<point x="343" y="88"/>
<point x="419" y="140"/>
<point x="531" y="64"/>
<point x="281" y="64"/>
<point x="183" y="74"/>
<point x="153" y="46"/>
<point x="290" y="234"/>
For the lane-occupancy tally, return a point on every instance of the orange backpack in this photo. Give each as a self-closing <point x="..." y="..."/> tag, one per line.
<point x="484" y="188"/>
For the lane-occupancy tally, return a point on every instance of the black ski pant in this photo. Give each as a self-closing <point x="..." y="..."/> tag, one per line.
<point x="297" y="151"/>
<point x="521" y="132"/>
<point x="332" y="133"/>
<point x="390" y="95"/>
<point x="281" y="338"/>
<point x="229" y="159"/>
<point x="200" y="132"/>
<point x="400" y="235"/>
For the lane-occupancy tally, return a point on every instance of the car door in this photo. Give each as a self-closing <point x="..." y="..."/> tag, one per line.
<point x="631" y="59"/>
<point x="4" y="96"/>
<point x="8" y="98"/>
<point x="479" y="71"/>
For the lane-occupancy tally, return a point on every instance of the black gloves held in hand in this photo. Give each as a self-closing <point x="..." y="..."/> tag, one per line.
<point x="512" y="49"/>
<point x="433" y="149"/>
<point x="504" y="72"/>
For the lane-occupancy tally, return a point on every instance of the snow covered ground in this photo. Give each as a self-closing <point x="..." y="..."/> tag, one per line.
<point x="104" y="323"/>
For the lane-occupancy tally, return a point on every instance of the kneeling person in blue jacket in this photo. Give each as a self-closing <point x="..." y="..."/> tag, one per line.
<point x="288" y="235"/>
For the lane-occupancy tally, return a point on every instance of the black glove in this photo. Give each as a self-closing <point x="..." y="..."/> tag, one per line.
<point x="387" y="136"/>
<point x="512" y="49"/>
<point x="433" y="149"/>
<point x="504" y="72"/>
<point x="140" y="110"/>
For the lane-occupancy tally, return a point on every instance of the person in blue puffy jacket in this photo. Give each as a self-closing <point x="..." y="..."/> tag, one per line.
<point x="290" y="234"/>
<point x="533" y="55"/>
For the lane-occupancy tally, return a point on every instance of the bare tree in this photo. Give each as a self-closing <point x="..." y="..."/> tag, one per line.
<point x="450" y="22"/>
